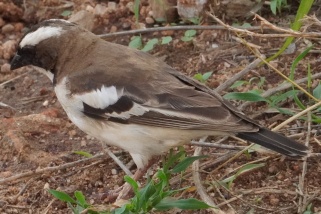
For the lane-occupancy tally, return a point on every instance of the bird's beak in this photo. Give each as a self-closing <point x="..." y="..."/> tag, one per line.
<point x="18" y="62"/>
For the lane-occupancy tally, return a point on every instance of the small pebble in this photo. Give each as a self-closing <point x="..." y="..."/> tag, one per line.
<point x="126" y="26"/>
<point x="149" y="20"/>
<point x="46" y="186"/>
<point x="111" y="6"/>
<point x="18" y="26"/>
<point x="45" y="104"/>
<point x="8" y="28"/>
<point x="90" y="9"/>
<point x="72" y="133"/>
<point x="273" y="169"/>
<point x="5" y="68"/>
<point x="9" y="48"/>
<point x="100" y="10"/>
<point x="130" y="6"/>
<point x="83" y="143"/>
<point x="113" y="29"/>
<point x="2" y="22"/>
<point x="27" y="82"/>
<point x="114" y="172"/>
<point x="274" y="200"/>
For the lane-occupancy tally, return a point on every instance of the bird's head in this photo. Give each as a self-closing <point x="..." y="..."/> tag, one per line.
<point x="44" y="44"/>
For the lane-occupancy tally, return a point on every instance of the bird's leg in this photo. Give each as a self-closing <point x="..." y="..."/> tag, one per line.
<point x="126" y="188"/>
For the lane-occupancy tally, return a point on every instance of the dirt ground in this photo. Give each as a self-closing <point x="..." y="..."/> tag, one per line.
<point x="36" y="137"/>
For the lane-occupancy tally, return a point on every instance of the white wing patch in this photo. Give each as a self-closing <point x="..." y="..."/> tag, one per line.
<point x="39" y="35"/>
<point x="101" y="98"/>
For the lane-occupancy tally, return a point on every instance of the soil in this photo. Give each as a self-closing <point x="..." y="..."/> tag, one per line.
<point x="36" y="134"/>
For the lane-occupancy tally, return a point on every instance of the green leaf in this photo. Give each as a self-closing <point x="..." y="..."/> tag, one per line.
<point x="136" y="42"/>
<point x="184" y="204"/>
<point x="66" y="13"/>
<point x="150" y="45"/>
<point x="190" y="33"/>
<point x="309" y="78"/>
<point x="253" y="79"/>
<point x="273" y="6"/>
<point x="304" y="8"/>
<point x="121" y="210"/>
<point x="186" y="38"/>
<point x="172" y="158"/>
<point x="261" y="82"/>
<point x="81" y="199"/>
<point x="145" y="194"/>
<point x="246" y="25"/>
<point x="195" y="20"/>
<point x="235" y="24"/>
<point x="238" y="83"/>
<point x="281" y="97"/>
<point x="317" y="91"/>
<point x="246" y="96"/>
<point x="207" y="75"/>
<point x="83" y="153"/>
<point x="166" y="40"/>
<point x="244" y="169"/>
<point x="132" y="183"/>
<point x="297" y="60"/>
<point x="182" y="166"/>
<point x="308" y="209"/>
<point x="136" y="10"/>
<point x="285" y="111"/>
<point x="62" y="196"/>
<point x="199" y="77"/>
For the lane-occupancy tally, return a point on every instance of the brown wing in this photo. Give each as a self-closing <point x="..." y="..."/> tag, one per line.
<point x="162" y="96"/>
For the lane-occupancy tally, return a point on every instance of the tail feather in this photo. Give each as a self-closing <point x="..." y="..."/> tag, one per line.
<point x="275" y="142"/>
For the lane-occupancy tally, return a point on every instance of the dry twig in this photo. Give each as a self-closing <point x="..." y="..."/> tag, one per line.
<point x="217" y="144"/>
<point x="35" y="173"/>
<point x="303" y="199"/>
<point x="197" y="181"/>
<point x="286" y="32"/>
<point x="281" y="87"/>
<point x="239" y="75"/>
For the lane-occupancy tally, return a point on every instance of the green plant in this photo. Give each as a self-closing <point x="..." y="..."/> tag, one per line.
<point x="66" y="13"/>
<point x="195" y="20"/>
<point x="137" y="43"/>
<point x="274" y="101"/>
<point x="277" y="5"/>
<point x="303" y="10"/>
<point x="259" y="82"/>
<point x="227" y="182"/>
<point x="156" y="194"/>
<point x="203" y="77"/>
<point x="244" y="25"/>
<point x="83" y="153"/>
<point x="188" y="35"/>
<point x="308" y="210"/>
<point x="136" y="11"/>
<point x="77" y="205"/>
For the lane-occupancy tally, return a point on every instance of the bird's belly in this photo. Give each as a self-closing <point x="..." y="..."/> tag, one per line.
<point x="138" y="139"/>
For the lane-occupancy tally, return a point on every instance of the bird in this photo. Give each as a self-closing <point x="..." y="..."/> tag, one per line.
<point x="132" y="100"/>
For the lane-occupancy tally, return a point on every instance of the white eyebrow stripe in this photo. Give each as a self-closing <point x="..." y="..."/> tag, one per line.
<point x="60" y="20"/>
<point x="39" y="35"/>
